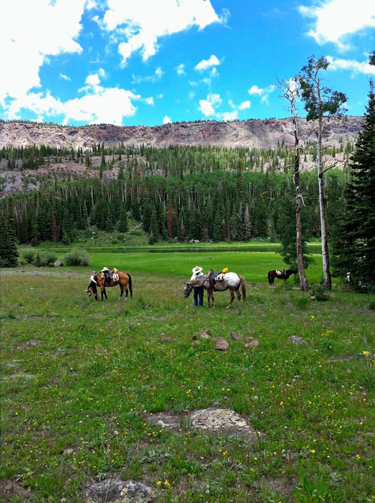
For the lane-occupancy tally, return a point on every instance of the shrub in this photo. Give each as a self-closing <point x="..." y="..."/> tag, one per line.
<point x="77" y="257"/>
<point x="28" y="256"/>
<point x="45" y="259"/>
<point x="319" y="292"/>
<point x="135" y="233"/>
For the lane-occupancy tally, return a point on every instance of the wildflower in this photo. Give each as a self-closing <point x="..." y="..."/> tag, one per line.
<point x="281" y="403"/>
<point x="312" y="317"/>
<point x="167" y="484"/>
<point x="312" y="451"/>
<point x="366" y="353"/>
<point x="158" y="483"/>
<point x="358" y="456"/>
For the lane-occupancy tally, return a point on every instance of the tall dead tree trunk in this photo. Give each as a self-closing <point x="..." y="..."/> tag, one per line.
<point x="289" y="91"/>
<point x="299" y="241"/>
<point x="322" y="210"/>
<point x="320" y="101"/>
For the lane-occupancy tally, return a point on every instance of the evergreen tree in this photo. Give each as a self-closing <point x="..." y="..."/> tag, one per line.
<point x="356" y="250"/>
<point x="8" y="246"/>
<point x="123" y="221"/>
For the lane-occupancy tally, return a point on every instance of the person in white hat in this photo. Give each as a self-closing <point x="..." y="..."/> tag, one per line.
<point x="198" y="290"/>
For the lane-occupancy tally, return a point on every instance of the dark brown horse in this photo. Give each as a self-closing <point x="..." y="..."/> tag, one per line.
<point x="279" y="275"/>
<point x="229" y="281"/>
<point x="123" y="280"/>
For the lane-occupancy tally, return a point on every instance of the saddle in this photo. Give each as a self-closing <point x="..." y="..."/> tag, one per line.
<point x="280" y="273"/>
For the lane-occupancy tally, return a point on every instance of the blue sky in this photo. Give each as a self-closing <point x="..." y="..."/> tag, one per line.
<point x="148" y="62"/>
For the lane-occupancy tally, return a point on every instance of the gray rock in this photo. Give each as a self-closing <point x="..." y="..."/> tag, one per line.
<point x="119" y="491"/>
<point x="221" y="344"/>
<point x="58" y="263"/>
<point x="297" y="340"/>
<point x="234" y="336"/>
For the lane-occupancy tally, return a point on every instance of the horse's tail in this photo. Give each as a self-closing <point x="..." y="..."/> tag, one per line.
<point x="130" y="285"/>
<point x="243" y="288"/>
<point x="269" y="278"/>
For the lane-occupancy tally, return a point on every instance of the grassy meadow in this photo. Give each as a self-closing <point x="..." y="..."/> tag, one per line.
<point x="81" y="380"/>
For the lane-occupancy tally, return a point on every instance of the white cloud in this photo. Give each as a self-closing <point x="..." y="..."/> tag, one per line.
<point x="353" y="66"/>
<point x="262" y="92"/>
<point x="149" y="101"/>
<point x="93" y="80"/>
<point x="64" y="77"/>
<point x="255" y="90"/>
<point x="167" y="120"/>
<point x="337" y="20"/>
<point x="208" y="63"/>
<point x="30" y="32"/>
<point x="141" y="24"/>
<point x="191" y="95"/>
<point x="100" y="105"/>
<point x="180" y="69"/>
<point x="244" y="105"/>
<point x="229" y="116"/>
<point x="207" y="107"/>
<point x="149" y="78"/>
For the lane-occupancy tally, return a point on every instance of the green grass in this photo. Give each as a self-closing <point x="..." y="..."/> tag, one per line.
<point x="80" y="380"/>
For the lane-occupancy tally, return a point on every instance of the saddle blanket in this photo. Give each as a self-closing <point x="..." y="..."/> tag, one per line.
<point x="115" y="277"/>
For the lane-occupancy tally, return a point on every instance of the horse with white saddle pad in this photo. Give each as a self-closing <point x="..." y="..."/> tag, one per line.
<point x="223" y="281"/>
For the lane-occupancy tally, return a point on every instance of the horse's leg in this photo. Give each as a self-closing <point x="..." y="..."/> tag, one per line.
<point x="121" y="292"/>
<point x="231" y="298"/>
<point x="213" y="299"/>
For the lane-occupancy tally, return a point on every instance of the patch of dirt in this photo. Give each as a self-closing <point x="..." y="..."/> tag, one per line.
<point x="34" y="343"/>
<point x="165" y="420"/>
<point x="281" y="486"/>
<point x="12" y="489"/>
<point x="210" y="420"/>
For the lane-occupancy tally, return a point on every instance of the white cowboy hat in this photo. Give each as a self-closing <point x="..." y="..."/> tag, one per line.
<point x="197" y="269"/>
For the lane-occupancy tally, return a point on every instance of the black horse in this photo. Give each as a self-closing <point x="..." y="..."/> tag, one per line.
<point x="279" y="275"/>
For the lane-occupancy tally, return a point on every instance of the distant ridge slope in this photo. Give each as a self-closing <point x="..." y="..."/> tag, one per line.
<point x="256" y="133"/>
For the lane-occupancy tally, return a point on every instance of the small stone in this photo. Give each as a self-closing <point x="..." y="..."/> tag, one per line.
<point x="221" y="344"/>
<point x="297" y="340"/>
<point x="312" y="297"/>
<point x="252" y="344"/>
<point x="166" y="339"/>
<point x="249" y="339"/>
<point x="234" y="336"/>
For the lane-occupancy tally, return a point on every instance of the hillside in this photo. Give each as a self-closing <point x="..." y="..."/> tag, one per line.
<point x="251" y="133"/>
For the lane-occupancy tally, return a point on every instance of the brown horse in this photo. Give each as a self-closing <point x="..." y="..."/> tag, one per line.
<point x="124" y="281"/>
<point x="230" y="281"/>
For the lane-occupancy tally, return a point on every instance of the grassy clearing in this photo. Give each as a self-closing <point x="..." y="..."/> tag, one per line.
<point x="80" y="380"/>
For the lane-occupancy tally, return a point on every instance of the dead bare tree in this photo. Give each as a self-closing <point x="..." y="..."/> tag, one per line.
<point x="289" y="90"/>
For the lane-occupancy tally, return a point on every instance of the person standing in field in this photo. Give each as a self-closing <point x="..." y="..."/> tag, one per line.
<point x="198" y="290"/>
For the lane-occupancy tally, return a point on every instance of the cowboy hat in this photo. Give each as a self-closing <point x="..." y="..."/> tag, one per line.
<point x="197" y="269"/>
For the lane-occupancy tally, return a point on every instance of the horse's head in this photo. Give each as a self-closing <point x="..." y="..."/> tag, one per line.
<point x="187" y="290"/>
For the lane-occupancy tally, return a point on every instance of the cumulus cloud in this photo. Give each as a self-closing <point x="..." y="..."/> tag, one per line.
<point x="141" y="24"/>
<point x="64" y="77"/>
<point x="149" y="101"/>
<point x="208" y="63"/>
<point x="30" y="33"/>
<point x="208" y="106"/>
<point x="167" y="120"/>
<point x="336" y="20"/>
<point x="180" y="69"/>
<point x="350" y="65"/>
<point x="244" y="105"/>
<point x="229" y="116"/>
<point x="255" y="90"/>
<point x="98" y="105"/>
<point x="262" y="92"/>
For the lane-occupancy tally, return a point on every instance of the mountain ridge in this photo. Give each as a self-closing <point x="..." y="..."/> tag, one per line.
<point x="252" y="133"/>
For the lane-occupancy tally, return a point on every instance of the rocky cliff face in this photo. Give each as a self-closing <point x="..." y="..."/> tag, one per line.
<point x="252" y="133"/>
